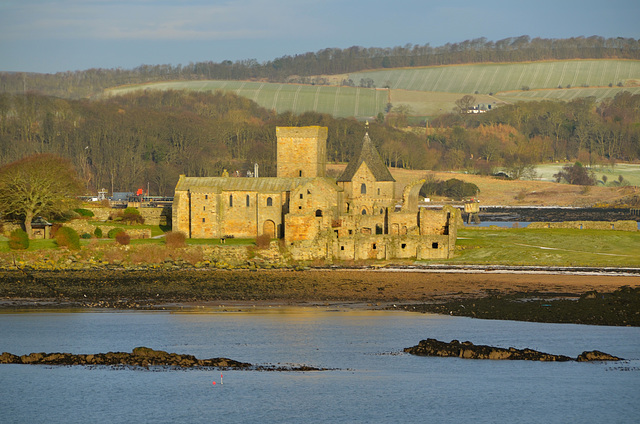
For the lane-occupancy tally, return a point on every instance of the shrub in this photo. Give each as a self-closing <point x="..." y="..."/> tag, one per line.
<point x="98" y="232"/>
<point x="175" y="239"/>
<point x="85" y="236"/>
<point x="132" y="216"/>
<point x="263" y="241"/>
<point x="19" y="240"/>
<point x="123" y="238"/>
<point x="68" y="237"/>
<point x="453" y="188"/>
<point x="84" y="212"/>
<point x="575" y="174"/>
<point x="114" y="231"/>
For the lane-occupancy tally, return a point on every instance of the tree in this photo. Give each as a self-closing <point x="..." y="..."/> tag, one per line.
<point x="575" y="174"/>
<point x="37" y="185"/>
<point x="465" y="103"/>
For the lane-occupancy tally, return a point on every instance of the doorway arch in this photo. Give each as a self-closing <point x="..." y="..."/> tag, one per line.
<point x="269" y="228"/>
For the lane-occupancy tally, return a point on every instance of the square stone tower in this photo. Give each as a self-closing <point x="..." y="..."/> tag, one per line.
<point x="302" y="151"/>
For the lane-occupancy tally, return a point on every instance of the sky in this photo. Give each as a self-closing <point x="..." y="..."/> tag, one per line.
<point x="68" y="35"/>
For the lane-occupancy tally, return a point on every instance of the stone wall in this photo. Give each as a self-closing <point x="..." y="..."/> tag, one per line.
<point x="588" y="225"/>
<point x="82" y="226"/>
<point x="301" y="151"/>
<point x="377" y="194"/>
<point x="152" y="216"/>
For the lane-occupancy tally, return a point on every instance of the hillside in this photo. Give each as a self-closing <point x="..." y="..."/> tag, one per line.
<point x="517" y="193"/>
<point x="430" y="90"/>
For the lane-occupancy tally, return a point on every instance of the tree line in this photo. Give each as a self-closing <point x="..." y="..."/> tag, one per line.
<point x="146" y="139"/>
<point x="330" y="61"/>
<point x="519" y="135"/>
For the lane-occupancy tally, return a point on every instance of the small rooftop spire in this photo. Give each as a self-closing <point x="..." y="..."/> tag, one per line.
<point x="366" y="126"/>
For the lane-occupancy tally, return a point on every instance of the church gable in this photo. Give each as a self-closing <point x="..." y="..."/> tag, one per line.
<point x="369" y="156"/>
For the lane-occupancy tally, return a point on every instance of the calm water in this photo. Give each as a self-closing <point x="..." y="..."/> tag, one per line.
<point x="374" y="381"/>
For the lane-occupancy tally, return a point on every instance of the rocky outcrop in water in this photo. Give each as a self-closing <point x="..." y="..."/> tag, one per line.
<point x="467" y="350"/>
<point x="139" y="357"/>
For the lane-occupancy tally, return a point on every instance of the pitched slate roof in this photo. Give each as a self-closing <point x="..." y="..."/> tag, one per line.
<point x="369" y="155"/>
<point x="261" y="185"/>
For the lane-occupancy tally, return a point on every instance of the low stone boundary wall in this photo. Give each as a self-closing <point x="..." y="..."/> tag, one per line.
<point x="82" y="226"/>
<point x="588" y="225"/>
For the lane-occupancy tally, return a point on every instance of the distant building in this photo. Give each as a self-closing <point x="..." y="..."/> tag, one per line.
<point x="351" y="218"/>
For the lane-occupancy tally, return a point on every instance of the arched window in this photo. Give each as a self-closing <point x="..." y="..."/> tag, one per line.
<point x="300" y="173"/>
<point x="231" y="200"/>
<point x="248" y="200"/>
<point x="364" y="211"/>
<point x="319" y="212"/>
<point x="363" y="189"/>
<point x="269" y="201"/>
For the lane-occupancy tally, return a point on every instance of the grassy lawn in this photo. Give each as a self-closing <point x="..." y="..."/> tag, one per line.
<point x="629" y="171"/>
<point x="557" y="247"/>
<point x="156" y="230"/>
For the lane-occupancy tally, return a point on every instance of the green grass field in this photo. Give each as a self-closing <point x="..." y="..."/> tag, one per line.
<point x="497" y="77"/>
<point x="600" y="93"/>
<point x="432" y="90"/>
<point x="336" y="101"/>
<point x="630" y="172"/>
<point x="558" y="247"/>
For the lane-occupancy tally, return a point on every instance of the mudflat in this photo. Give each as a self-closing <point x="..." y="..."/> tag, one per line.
<point x="356" y="285"/>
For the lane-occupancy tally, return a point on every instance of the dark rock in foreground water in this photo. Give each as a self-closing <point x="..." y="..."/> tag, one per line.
<point x="467" y="350"/>
<point x="140" y="357"/>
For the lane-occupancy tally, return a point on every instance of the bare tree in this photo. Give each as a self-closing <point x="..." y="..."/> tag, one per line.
<point x="36" y="185"/>
<point x="465" y="103"/>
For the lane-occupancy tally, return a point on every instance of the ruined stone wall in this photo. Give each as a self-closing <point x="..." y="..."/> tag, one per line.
<point x="301" y="151"/>
<point x="156" y="216"/>
<point x="180" y="213"/>
<point x="302" y="227"/>
<point x="588" y="225"/>
<point x="100" y="213"/>
<point x="434" y="222"/>
<point x="403" y="223"/>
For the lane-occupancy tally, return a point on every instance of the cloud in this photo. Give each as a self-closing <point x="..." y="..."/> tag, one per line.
<point x="155" y="20"/>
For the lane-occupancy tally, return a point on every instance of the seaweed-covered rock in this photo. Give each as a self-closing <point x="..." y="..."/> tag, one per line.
<point x="467" y="350"/>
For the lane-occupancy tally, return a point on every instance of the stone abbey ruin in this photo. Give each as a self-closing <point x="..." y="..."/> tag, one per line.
<point x="356" y="216"/>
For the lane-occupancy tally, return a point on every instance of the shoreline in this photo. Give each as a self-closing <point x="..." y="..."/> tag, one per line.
<point x="484" y="292"/>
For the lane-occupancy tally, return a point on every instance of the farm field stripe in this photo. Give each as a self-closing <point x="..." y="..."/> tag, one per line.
<point x="493" y="77"/>
<point x="335" y="102"/>
<point x="534" y="77"/>
<point x="479" y="80"/>
<point x="255" y="96"/>
<point x="315" y="100"/>
<point x="464" y="82"/>
<point x="575" y="76"/>
<point x="589" y="74"/>
<point x="413" y="79"/>
<point x="435" y="86"/>
<point x="564" y="69"/>
<point x="275" y="97"/>
<point x="295" y="99"/>
<point x="549" y="72"/>
<point x="521" y="76"/>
